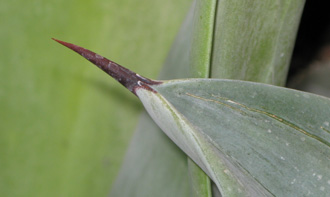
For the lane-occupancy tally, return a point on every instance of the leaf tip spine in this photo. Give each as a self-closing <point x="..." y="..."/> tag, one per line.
<point x="126" y="77"/>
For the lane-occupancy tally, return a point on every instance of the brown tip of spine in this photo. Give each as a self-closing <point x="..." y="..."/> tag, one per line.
<point x="127" y="78"/>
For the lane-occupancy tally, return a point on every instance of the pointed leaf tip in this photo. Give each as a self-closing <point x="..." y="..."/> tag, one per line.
<point x="126" y="77"/>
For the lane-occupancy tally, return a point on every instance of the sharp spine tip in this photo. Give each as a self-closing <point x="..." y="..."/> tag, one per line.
<point x="127" y="78"/>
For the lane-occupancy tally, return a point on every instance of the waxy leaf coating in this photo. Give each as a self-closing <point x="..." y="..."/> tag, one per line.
<point x="265" y="140"/>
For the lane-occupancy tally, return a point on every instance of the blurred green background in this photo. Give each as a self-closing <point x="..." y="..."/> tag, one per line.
<point x="64" y="124"/>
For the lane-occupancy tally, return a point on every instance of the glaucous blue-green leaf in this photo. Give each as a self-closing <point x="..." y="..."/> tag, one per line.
<point x="251" y="139"/>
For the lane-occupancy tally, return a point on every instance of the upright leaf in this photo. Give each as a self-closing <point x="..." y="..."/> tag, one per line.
<point x="254" y="39"/>
<point x="189" y="56"/>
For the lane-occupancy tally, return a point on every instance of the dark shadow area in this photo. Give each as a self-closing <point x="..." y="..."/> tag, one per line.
<point x="313" y="38"/>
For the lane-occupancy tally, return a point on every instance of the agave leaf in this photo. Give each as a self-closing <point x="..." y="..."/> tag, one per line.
<point x="251" y="139"/>
<point x="258" y="39"/>
<point x="248" y="137"/>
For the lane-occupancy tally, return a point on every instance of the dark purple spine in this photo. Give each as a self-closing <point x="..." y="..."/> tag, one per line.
<point x="127" y="78"/>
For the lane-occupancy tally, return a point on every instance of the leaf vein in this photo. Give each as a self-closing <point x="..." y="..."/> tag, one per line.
<point x="273" y="116"/>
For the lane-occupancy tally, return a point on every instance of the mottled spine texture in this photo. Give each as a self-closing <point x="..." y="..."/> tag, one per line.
<point x="127" y="78"/>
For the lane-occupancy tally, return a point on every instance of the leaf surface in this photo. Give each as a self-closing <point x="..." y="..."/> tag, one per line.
<point x="251" y="139"/>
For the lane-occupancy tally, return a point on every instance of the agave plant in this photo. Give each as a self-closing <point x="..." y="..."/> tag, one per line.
<point x="250" y="138"/>
<point x="219" y="137"/>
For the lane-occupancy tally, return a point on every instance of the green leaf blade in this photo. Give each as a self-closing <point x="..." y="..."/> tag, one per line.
<point x="250" y="125"/>
<point x="199" y="181"/>
<point x="183" y="133"/>
<point x="255" y="39"/>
